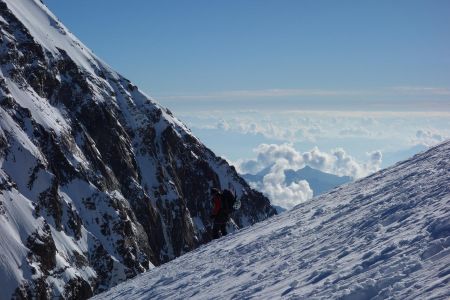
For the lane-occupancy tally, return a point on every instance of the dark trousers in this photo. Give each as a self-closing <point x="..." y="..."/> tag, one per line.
<point x="219" y="228"/>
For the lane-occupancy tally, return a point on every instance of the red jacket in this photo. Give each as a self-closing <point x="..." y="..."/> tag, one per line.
<point x="217" y="205"/>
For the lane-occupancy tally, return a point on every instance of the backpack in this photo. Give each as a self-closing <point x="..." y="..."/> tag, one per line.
<point x="228" y="201"/>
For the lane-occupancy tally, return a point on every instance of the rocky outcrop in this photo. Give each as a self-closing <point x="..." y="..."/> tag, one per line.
<point x="99" y="181"/>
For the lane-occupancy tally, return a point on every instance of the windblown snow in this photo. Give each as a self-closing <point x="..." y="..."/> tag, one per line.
<point x="386" y="236"/>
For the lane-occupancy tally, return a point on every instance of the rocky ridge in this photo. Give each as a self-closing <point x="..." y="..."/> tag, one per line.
<point x="98" y="182"/>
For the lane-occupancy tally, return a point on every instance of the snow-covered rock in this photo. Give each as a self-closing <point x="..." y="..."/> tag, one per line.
<point x="386" y="236"/>
<point x="98" y="182"/>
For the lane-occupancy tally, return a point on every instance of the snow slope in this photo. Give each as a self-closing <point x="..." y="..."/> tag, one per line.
<point x="386" y="236"/>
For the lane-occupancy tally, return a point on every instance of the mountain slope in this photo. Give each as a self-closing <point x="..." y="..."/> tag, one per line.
<point x="386" y="236"/>
<point x="98" y="182"/>
<point x="320" y="182"/>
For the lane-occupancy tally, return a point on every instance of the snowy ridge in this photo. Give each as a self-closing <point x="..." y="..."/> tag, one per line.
<point x="386" y="236"/>
<point x="48" y="31"/>
<point x="98" y="182"/>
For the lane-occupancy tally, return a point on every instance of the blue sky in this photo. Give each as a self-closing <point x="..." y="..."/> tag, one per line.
<point x="199" y="47"/>
<point x="364" y="76"/>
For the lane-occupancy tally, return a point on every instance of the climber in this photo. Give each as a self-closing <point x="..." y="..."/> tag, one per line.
<point x="219" y="214"/>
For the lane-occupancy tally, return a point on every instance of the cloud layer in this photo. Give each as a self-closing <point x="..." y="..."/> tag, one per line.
<point x="281" y="194"/>
<point x="336" y="162"/>
<point x="280" y="158"/>
<point x="279" y="93"/>
<point x="396" y="134"/>
<point x="429" y="137"/>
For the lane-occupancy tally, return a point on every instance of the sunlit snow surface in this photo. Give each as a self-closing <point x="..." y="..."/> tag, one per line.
<point x="383" y="237"/>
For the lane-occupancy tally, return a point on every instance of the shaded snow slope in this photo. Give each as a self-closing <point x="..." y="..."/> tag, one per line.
<point x="386" y="236"/>
<point x="98" y="182"/>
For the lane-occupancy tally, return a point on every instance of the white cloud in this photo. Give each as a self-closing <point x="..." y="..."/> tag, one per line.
<point x="335" y="162"/>
<point x="277" y="131"/>
<point x="251" y="166"/>
<point x="422" y="90"/>
<point x="429" y="137"/>
<point x="328" y="128"/>
<point x="269" y="154"/>
<point x="376" y="158"/>
<point x="286" y="196"/>
<point x="280" y="129"/>
<point x="338" y="162"/>
<point x="356" y="131"/>
<point x="223" y="125"/>
<point x="332" y="93"/>
<point x="360" y="131"/>
<point x="284" y="157"/>
<point x="262" y="93"/>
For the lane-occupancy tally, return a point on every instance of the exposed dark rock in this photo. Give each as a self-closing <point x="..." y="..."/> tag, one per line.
<point x="77" y="288"/>
<point x="42" y="249"/>
<point x="74" y="222"/>
<point x="50" y="201"/>
<point x="38" y="290"/>
<point x="2" y="208"/>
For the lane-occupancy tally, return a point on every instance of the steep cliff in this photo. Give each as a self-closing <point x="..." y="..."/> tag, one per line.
<point x="98" y="182"/>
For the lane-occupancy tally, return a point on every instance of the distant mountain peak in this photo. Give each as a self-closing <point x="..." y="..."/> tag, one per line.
<point x="319" y="181"/>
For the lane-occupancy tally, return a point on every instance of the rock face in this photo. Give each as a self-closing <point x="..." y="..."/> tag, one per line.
<point x="98" y="182"/>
